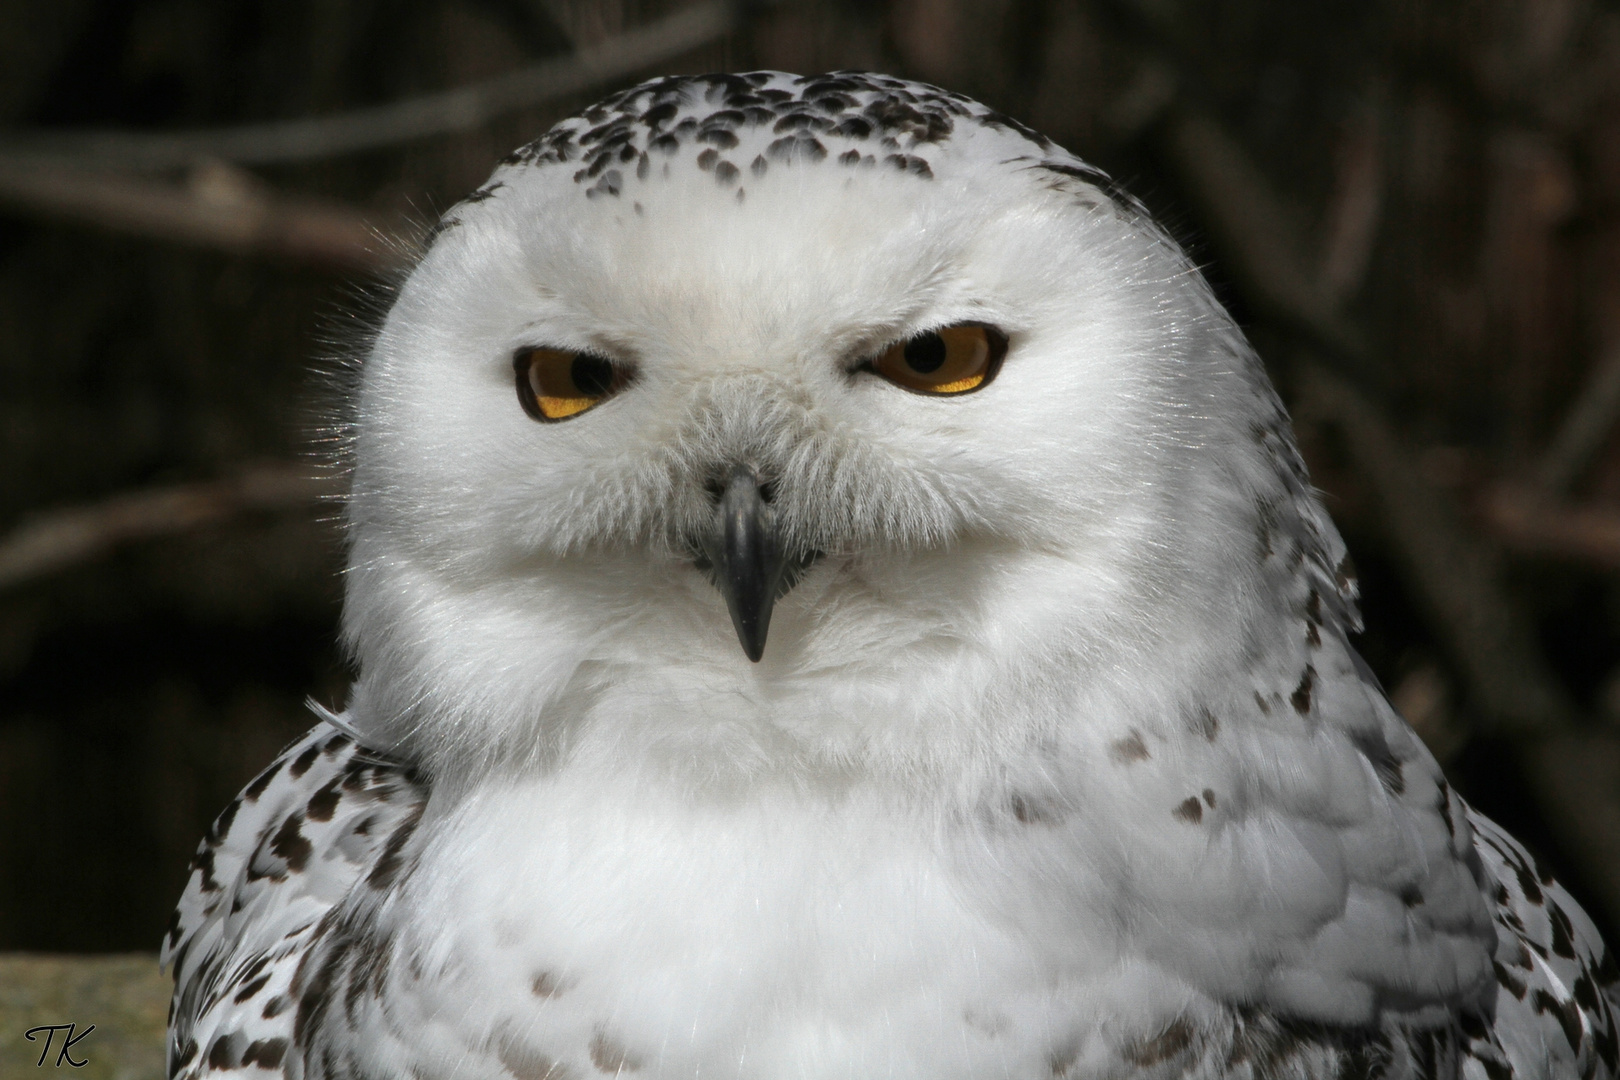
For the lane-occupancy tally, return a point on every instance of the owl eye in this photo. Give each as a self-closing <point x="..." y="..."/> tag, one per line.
<point x="554" y="384"/>
<point x="950" y="360"/>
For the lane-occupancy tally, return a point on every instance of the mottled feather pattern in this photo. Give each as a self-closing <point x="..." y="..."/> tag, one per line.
<point x="241" y="990"/>
<point x="1557" y="990"/>
<point x="1060" y="762"/>
<point x="291" y="846"/>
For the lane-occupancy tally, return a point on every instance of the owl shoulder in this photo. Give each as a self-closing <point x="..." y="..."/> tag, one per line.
<point x="320" y="818"/>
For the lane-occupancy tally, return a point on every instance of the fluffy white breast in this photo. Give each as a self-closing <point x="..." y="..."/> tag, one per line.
<point x="1056" y="760"/>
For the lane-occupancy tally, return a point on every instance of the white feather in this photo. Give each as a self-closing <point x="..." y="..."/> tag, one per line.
<point x="1058" y="761"/>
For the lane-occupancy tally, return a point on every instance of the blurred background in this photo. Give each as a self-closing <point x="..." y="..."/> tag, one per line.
<point x="1412" y="205"/>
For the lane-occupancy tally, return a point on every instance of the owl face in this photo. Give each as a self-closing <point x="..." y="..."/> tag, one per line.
<point x="668" y="386"/>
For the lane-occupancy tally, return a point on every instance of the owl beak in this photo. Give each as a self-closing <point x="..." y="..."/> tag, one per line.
<point x="745" y="556"/>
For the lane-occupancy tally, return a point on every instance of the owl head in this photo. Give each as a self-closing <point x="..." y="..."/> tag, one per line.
<point x="763" y="423"/>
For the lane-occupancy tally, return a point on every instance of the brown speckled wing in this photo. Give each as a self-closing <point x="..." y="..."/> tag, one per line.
<point x="324" y="815"/>
<point x="1556" y="982"/>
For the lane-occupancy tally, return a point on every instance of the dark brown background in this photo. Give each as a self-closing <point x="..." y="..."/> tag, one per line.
<point x="1413" y="205"/>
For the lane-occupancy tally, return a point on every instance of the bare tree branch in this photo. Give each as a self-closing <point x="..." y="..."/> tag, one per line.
<point x="1586" y="428"/>
<point x="402" y="121"/>
<point x="1354" y="209"/>
<point x="1525" y="521"/>
<point x="54" y="541"/>
<point x="219" y="206"/>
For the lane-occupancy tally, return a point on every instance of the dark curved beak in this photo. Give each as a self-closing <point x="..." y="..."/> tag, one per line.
<point x="745" y="556"/>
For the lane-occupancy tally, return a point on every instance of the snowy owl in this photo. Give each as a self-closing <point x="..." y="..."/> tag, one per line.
<point x="835" y="596"/>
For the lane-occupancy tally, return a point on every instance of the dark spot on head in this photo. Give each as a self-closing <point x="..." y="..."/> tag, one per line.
<point x="1209" y="798"/>
<point x="660" y="113"/>
<point x="801" y="121"/>
<point x="1189" y="810"/>
<point x="546" y="985"/>
<point x="831" y="103"/>
<point x="605" y="131"/>
<point x="911" y="164"/>
<point x="796" y="148"/>
<point x="718" y="137"/>
<point x="440" y="227"/>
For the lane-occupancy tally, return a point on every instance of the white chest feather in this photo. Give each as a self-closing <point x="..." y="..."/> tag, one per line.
<point x="790" y="936"/>
<point x="1058" y="762"/>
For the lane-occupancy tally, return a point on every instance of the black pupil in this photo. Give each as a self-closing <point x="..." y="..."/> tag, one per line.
<point x="925" y="353"/>
<point x="592" y="375"/>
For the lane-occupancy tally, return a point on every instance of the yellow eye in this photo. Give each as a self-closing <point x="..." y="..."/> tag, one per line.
<point x="554" y="384"/>
<point x="950" y="360"/>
